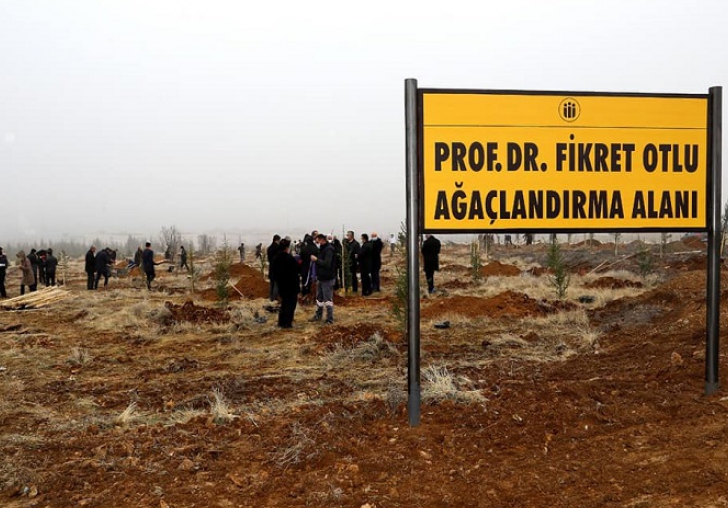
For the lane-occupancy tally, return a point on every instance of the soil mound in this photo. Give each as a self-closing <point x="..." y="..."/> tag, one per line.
<point x="694" y="262"/>
<point x="191" y="313"/>
<point x="349" y="336"/>
<point x="454" y="284"/>
<point x="612" y="283"/>
<point x="508" y="304"/>
<point x="496" y="268"/>
<point x="454" y="268"/>
<point x="588" y="243"/>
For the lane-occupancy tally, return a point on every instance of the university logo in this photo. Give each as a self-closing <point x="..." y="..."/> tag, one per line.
<point x="569" y="109"/>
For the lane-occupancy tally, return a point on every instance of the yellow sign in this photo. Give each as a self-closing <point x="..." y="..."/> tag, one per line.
<point x="512" y="161"/>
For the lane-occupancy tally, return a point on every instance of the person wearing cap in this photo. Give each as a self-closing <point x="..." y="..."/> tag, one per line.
<point x="3" y="271"/>
<point x="50" y="268"/>
<point x="377" y="247"/>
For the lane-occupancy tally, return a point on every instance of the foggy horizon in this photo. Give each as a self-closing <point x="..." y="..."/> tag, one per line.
<point x="133" y="116"/>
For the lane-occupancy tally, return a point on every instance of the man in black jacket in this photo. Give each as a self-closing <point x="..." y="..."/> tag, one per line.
<point x="377" y="247"/>
<point x="3" y="269"/>
<point x="352" y="249"/>
<point x="270" y="256"/>
<point x="50" y="268"/>
<point x="148" y="264"/>
<point x="326" y="275"/>
<point x="431" y="257"/>
<point x="286" y="275"/>
<point x="103" y="261"/>
<point x="365" y="265"/>
<point x="90" y="267"/>
<point x="307" y="250"/>
<point x="34" y="265"/>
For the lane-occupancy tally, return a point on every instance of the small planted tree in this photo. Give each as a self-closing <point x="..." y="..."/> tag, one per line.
<point x="645" y="261"/>
<point x="560" y="276"/>
<point x="724" y="229"/>
<point x="617" y="238"/>
<point x="475" y="260"/>
<point x="664" y="240"/>
<point x="221" y="274"/>
<point x="401" y="288"/>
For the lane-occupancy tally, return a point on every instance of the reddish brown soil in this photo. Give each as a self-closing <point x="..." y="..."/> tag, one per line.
<point x="191" y="313"/>
<point x="496" y="268"/>
<point x="612" y="283"/>
<point x="507" y="304"/>
<point x="625" y="427"/>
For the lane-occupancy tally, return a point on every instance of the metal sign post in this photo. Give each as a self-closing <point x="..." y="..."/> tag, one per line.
<point x="413" y="260"/>
<point x="712" y="323"/>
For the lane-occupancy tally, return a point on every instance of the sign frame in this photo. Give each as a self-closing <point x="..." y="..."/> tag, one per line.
<point x="414" y="147"/>
<point x="421" y="92"/>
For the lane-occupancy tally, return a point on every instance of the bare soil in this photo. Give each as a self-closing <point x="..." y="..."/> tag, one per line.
<point x="105" y="401"/>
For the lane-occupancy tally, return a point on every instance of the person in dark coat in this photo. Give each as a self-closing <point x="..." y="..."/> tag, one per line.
<point x="42" y="255"/>
<point x="3" y="271"/>
<point x="339" y="263"/>
<point x="90" y="267"/>
<point x="377" y="247"/>
<point x="270" y="253"/>
<point x="34" y="265"/>
<point x="285" y="271"/>
<point x="138" y="257"/>
<point x="27" y="269"/>
<point x="352" y="249"/>
<point x="365" y="265"/>
<point x="183" y="258"/>
<point x="148" y="264"/>
<point x="103" y="261"/>
<point x="326" y="277"/>
<point x="431" y="257"/>
<point x="241" y="250"/>
<point x="50" y="268"/>
<point x="307" y="250"/>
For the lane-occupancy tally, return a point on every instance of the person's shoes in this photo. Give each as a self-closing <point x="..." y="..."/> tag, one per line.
<point x="329" y="321"/>
<point x="315" y="317"/>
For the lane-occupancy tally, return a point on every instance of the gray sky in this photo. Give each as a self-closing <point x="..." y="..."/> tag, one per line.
<point x="125" y="116"/>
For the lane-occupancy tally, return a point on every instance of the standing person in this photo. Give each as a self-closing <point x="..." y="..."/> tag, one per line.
<point x="3" y="271"/>
<point x="241" y="250"/>
<point x="138" y="257"/>
<point x="365" y="265"/>
<point x="270" y="253"/>
<point x="148" y="264"/>
<point x="326" y="277"/>
<point x="392" y="244"/>
<point x="183" y="258"/>
<point x="42" y="255"/>
<point x="338" y="263"/>
<point x="34" y="264"/>
<point x="103" y="260"/>
<point x="352" y="248"/>
<point x="286" y="274"/>
<point x="90" y="267"/>
<point x="431" y="256"/>
<point x="51" y="265"/>
<point x="258" y="250"/>
<point x="27" y="269"/>
<point x="307" y="250"/>
<point x="377" y="247"/>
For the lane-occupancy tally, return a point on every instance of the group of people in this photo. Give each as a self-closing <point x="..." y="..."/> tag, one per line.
<point x="326" y="261"/>
<point x="36" y="267"/>
<point x="99" y="265"/>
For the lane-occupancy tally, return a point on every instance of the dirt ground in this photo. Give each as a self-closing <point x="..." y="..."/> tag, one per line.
<point x="124" y="397"/>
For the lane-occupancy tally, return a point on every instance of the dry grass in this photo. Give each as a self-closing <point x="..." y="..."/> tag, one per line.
<point x="183" y="416"/>
<point x="440" y="385"/>
<point x="127" y="416"/>
<point x="79" y="356"/>
<point x="220" y="409"/>
<point x="299" y="447"/>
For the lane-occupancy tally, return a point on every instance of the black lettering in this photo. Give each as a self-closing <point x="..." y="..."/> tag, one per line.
<point x="515" y="156"/>
<point x="504" y="212"/>
<point x="616" y="157"/>
<point x="638" y="208"/>
<point x="691" y="158"/>
<point x="553" y="204"/>
<point x="519" y="206"/>
<point x="676" y="166"/>
<point x="442" y="211"/>
<point x="579" y="202"/>
<point x="597" y="204"/>
<point x="476" y="156"/>
<point x="664" y="150"/>
<point x="666" y="206"/>
<point x="458" y="207"/>
<point x="442" y="153"/>
<point x="492" y="157"/>
<point x="585" y="157"/>
<point x="649" y="158"/>
<point x="694" y="202"/>
<point x="489" y="205"/>
<point x="476" y="206"/>
<point x="565" y="206"/>
<point x="681" y="204"/>
<point x="616" y="211"/>
<point x="628" y="148"/>
<point x="651" y="212"/>
<point x="458" y="157"/>
<point x="529" y="158"/>
<point x="560" y="155"/>
<point x="535" y="204"/>
<point x="601" y="151"/>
